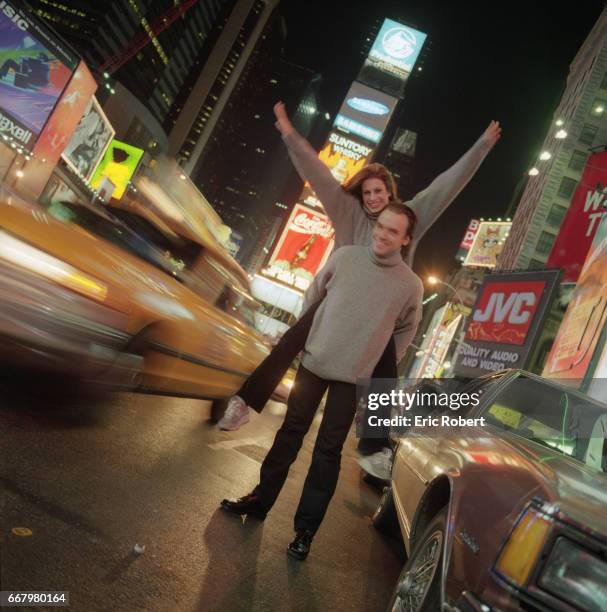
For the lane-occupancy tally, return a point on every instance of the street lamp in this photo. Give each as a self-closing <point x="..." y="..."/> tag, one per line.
<point x="433" y="280"/>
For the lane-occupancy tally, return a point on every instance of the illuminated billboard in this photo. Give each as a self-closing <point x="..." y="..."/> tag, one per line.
<point x="302" y="249"/>
<point x="344" y="155"/>
<point x="118" y="165"/>
<point x="488" y="244"/>
<point x="505" y="321"/>
<point x="358" y="127"/>
<point x="440" y="341"/>
<point x="34" y="70"/>
<point x="365" y="113"/>
<point x="91" y="138"/>
<point x="392" y="57"/>
<point x="582" y="219"/>
<point x="468" y="239"/>
<point x="585" y="318"/>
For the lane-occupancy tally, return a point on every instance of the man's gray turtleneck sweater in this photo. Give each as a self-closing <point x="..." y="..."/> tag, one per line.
<point x="367" y="299"/>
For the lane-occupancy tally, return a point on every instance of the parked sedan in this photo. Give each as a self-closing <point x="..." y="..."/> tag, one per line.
<point x="511" y="515"/>
<point x="84" y="295"/>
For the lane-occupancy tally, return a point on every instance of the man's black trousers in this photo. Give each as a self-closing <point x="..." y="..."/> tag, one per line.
<point x="326" y="458"/>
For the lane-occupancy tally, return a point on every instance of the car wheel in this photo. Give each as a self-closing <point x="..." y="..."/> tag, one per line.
<point x="384" y="518"/>
<point x="418" y="586"/>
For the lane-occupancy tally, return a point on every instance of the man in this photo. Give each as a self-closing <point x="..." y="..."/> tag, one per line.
<point x="369" y="295"/>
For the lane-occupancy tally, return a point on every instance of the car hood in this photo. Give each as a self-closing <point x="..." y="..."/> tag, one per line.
<point x="575" y="489"/>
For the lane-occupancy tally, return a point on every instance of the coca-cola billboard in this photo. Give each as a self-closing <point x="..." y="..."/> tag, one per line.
<point x="505" y="321"/>
<point x="302" y="249"/>
<point x="588" y="206"/>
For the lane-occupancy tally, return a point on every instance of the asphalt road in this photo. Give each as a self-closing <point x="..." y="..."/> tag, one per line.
<point x="90" y="479"/>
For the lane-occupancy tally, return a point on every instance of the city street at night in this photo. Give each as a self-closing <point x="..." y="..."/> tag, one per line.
<point x="92" y="480"/>
<point x="303" y="306"/>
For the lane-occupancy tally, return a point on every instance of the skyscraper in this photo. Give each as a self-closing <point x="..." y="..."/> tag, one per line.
<point x="243" y="169"/>
<point x="153" y="47"/>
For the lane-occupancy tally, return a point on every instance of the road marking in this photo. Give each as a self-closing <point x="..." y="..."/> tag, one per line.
<point x="231" y="444"/>
<point x="22" y="531"/>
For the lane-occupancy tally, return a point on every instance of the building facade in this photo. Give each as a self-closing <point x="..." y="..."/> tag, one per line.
<point x="155" y="49"/>
<point x="579" y="127"/>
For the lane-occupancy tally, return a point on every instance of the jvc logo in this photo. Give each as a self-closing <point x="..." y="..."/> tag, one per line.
<point x="13" y="15"/>
<point x="511" y="309"/>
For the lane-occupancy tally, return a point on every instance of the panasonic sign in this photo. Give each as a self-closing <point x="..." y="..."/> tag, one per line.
<point x="371" y="107"/>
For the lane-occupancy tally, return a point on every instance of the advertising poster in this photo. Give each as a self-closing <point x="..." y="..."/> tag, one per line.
<point x="91" y="138"/>
<point x="61" y="125"/>
<point x="302" y="249"/>
<point x="585" y="317"/>
<point x="34" y="70"/>
<point x="588" y="207"/>
<point x="392" y="57"/>
<point x="344" y="155"/>
<point x="468" y="239"/>
<point x="365" y="113"/>
<point x="118" y="165"/>
<point x="442" y="336"/>
<point x="358" y="127"/>
<point x="505" y="322"/>
<point x="598" y="385"/>
<point x="488" y="244"/>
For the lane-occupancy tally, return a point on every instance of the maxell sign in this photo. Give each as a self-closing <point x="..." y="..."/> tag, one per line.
<point x="505" y="321"/>
<point x="13" y="129"/>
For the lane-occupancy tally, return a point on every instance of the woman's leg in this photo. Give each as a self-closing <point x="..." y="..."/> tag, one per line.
<point x="385" y="369"/>
<point x="258" y="388"/>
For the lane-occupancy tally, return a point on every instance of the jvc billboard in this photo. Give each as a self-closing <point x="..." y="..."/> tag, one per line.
<point x="35" y="68"/>
<point x="505" y="322"/>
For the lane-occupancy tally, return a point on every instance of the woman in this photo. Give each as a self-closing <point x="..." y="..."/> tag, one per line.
<point x="353" y="209"/>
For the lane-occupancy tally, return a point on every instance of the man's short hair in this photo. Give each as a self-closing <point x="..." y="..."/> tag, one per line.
<point x="399" y="208"/>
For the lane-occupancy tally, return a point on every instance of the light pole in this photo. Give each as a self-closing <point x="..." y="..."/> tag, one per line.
<point x="433" y="280"/>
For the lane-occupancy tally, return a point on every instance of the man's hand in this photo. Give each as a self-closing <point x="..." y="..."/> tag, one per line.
<point x="283" y="124"/>
<point x="493" y="133"/>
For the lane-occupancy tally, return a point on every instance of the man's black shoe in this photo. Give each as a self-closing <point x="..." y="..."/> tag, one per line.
<point x="300" y="546"/>
<point x="249" y="505"/>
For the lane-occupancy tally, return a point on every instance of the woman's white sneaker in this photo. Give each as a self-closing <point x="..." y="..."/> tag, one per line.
<point x="236" y="415"/>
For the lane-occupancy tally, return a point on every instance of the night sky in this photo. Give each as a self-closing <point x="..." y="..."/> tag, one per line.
<point x="504" y="61"/>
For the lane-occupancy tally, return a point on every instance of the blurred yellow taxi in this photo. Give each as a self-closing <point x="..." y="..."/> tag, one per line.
<point x="112" y="299"/>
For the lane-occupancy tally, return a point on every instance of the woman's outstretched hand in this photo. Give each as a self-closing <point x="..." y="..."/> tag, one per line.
<point x="493" y="133"/>
<point x="284" y="126"/>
